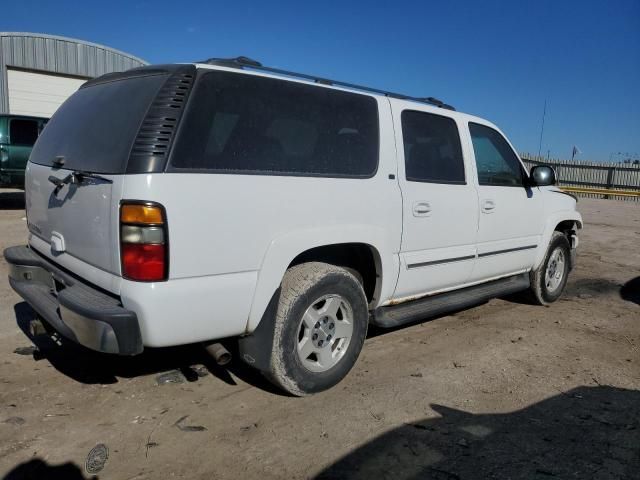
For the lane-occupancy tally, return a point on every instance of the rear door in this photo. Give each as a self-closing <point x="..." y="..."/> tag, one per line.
<point x="511" y="213"/>
<point x="440" y="204"/>
<point x="84" y="149"/>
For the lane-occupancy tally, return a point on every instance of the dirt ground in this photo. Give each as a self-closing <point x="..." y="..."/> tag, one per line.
<point x="503" y="390"/>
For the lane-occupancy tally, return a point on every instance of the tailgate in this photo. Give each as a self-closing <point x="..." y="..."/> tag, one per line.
<point x="77" y="168"/>
<point x="78" y="219"/>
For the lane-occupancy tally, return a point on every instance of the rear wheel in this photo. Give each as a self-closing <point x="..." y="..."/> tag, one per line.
<point x="320" y="327"/>
<point x="549" y="279"/>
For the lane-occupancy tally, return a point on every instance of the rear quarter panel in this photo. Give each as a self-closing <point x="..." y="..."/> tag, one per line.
<point x="244" y="230"/>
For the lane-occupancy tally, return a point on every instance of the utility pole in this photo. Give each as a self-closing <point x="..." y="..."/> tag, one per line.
<point x="544" y="114"/>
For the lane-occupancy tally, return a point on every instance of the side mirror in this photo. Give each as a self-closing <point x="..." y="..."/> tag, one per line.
<point x="542" y="176"/>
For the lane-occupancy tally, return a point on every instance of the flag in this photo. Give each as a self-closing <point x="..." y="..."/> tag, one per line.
<point x="574" y="152"/>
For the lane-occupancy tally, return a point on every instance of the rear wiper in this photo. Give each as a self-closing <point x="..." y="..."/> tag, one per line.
<point x="75" y="177"/>
<point x="60" y="182"/>
<point x="79" y="175"/>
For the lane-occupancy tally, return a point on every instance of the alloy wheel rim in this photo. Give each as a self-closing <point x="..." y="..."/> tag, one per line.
<point x="554" y="273"/>
<point x="324" y="333"/>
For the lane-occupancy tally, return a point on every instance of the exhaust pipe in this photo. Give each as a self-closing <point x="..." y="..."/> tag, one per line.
<point x="221" y="355"/>
<point x="36" y="327"/>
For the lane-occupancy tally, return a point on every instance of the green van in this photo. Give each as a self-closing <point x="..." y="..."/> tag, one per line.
<point x="18" y="133"/>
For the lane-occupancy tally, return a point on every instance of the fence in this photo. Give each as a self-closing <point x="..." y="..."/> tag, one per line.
<point x="582" y="177"/>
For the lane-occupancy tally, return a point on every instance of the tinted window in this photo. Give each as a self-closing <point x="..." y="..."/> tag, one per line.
<point x="242" y="124"/>
<point x="95" y="128"/>
<point x="432" y="151"/>
<point x="23" y="132"/>
<point x="496" y="162"/>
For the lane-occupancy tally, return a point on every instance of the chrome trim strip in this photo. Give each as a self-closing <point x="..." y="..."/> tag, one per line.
<point x="508" y="250"/>
<point x="468" y="257"/>
<point x="438" y="262"/>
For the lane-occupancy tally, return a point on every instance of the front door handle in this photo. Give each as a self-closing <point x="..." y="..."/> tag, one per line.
<point x="421" y="209"/>
<point x="488" y="206"/>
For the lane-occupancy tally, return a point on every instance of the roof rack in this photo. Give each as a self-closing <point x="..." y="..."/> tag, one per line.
<point x="245" y="62"/>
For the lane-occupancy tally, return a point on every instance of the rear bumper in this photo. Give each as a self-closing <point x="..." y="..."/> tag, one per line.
<point x="78" y="311"/>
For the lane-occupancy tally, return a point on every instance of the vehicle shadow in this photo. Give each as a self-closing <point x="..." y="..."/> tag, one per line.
<point x="575" y="289"/>
<point x="630" y="291"/>
<point x="11" y="200"/>
<point x="90" y="367"/>
<point x="37" y="468"/>
<point x="588" y="432"/>
<point x="586" y="288"/>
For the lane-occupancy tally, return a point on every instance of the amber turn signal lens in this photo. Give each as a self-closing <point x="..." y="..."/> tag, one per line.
<point x="145" y="214"/>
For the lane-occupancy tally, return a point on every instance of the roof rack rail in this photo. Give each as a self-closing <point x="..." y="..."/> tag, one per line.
<point x="246" y="62"/>
<point x="435" y="101"/>
<point x="235" y="62"/>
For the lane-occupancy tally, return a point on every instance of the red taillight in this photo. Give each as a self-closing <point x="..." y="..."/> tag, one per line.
<point x="143" y="262"/>
<point x="143" y="247"/>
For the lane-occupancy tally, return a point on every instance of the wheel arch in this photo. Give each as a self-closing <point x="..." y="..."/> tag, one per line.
<point x="566" y="221"/>
<point x="352" y="247"/>
<point x="361" y="257"/>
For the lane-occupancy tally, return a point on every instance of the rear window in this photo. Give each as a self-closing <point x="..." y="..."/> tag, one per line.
<point x="248" y="124"/>
<point x="23" y="132"/>
<point x="95" y="128"/>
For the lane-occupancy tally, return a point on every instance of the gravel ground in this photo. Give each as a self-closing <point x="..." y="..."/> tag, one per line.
<point x="503" y="390"/>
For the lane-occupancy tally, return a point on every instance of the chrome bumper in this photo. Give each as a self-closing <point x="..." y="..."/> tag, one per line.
<point x="77" y="310"/>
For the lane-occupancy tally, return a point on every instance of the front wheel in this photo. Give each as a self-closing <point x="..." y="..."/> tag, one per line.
<point x="549" y="279"/>
<point x="320" y="327"/>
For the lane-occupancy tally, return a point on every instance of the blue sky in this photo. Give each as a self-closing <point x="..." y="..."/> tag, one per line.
<point x="496" y="59"/>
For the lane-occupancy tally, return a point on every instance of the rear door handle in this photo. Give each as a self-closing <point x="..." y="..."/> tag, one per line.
<point x="488" y="206"/>
<point x="421" y="209"/>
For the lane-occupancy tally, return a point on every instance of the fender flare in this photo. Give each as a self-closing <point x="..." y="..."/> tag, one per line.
<point x="284" y="249"/>
<point x="550" y="225"/>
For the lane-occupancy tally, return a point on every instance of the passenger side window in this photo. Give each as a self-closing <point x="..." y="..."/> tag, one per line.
<point x="23" y="132"/>
<point x="239" y="123"/>
<point x="496" y="162"/>
<point x="432" y="151"/>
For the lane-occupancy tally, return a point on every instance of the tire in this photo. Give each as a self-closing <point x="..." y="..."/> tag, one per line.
<point x="544" y="291"/>
<point x="315" y="294"/>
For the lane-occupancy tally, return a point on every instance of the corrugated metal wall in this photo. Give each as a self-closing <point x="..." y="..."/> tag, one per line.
<point x="65" y="56"/>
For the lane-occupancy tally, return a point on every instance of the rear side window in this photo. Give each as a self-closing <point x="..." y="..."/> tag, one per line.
<point x="239" y="123"/>
<point x="95" y="128"/>
<point x="496" y="162"/>
<point x="432" y="151"/>
<point x="23" y="132"/>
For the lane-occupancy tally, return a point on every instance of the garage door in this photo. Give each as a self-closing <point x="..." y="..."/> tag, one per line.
<point x="38" y="94"/>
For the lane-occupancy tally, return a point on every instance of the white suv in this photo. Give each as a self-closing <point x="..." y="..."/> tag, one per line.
<point x="176" y="204"/>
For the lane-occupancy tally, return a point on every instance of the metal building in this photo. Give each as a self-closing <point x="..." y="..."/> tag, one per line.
<point x="38" y="72"/>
